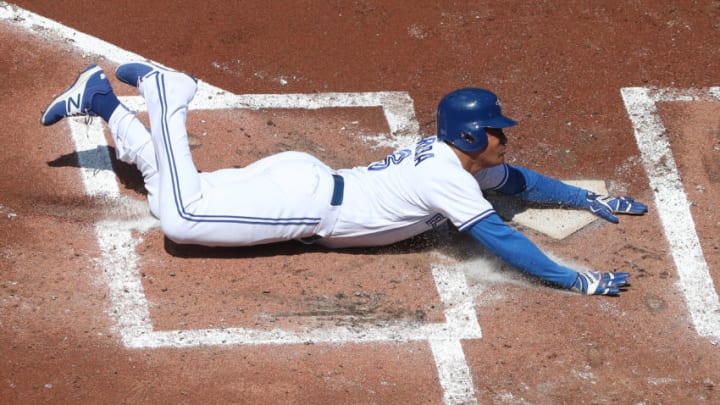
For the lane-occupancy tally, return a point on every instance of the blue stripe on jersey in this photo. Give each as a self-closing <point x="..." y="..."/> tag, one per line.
<point x="160" y="83"/>
<point x="465" y="225"/>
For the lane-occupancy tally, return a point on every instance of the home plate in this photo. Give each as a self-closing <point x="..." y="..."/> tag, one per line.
<point x="558" y="223"/>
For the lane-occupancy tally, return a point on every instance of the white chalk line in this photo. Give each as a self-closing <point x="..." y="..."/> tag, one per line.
<point x="398" y="107"/>
<point x="117" y="242"/>
<point x="130" y="305"/>
<point x="673" y="207"/>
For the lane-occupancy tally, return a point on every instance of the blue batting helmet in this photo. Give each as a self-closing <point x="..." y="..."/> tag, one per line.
<point x="463" y="115"/>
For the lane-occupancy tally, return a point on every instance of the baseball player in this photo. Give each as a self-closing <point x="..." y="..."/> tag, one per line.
<point x="293" y="195"/>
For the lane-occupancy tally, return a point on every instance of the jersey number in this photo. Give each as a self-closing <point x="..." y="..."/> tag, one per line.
<point x="393" y="158"/>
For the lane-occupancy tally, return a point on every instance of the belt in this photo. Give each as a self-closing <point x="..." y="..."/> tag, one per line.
<point x="338" y="190"/>
<point x="337" y="199"/>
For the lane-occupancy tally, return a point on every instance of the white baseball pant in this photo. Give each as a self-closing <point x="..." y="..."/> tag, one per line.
<point x="291" y="195"/>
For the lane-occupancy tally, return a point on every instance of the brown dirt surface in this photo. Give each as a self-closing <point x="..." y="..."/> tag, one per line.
<point x="558" y="67"/>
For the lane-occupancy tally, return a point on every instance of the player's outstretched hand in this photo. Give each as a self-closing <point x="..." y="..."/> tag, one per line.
<point x="595" y="283"/>
<point x="605" y="206"/>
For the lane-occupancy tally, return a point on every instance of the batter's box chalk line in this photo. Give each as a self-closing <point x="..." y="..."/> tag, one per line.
<point x="671" y="201"/>
<point x="120" y="262"/>
<point x="118" y="242"/>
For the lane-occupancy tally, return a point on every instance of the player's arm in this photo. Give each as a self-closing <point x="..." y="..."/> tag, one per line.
<point x="534" y="187"/>
<point x="517" y="250"/>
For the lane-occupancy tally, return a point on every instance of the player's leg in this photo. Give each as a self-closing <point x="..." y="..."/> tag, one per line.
<point x="167" y="97"/>
<point x="133" y="144"/>
<point x="282" y="197"/>
<point x="92" y="95"/>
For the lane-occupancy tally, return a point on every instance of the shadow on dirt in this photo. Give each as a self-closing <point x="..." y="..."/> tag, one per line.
<point x="430" y="241"/>
<point x="95" y="159"/>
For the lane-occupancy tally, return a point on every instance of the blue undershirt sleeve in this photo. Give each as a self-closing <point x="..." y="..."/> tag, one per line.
<point x="519" y="251"/>
<point x="534" y="187"/>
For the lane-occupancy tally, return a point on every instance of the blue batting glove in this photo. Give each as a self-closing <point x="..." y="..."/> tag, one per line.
<point x="595" y="283"/>
<point x="605" y="206"/>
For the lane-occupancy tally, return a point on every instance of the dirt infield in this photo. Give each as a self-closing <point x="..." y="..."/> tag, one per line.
<point x="97" y="306"/>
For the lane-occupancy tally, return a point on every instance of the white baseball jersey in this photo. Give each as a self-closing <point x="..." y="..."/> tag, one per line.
<point x="409" y="192"/>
